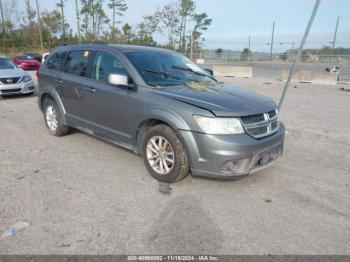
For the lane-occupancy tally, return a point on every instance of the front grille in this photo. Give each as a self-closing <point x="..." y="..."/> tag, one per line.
<point x="261" y="125"/>
<point x="9" y="80"/>
<point x="7" y="91"/>
<point x="253" y="119"/>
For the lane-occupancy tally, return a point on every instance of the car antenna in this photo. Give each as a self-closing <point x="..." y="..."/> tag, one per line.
<point x="296" y="60"/>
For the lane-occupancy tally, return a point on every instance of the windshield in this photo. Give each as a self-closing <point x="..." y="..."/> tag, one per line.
<point x="22" y="57"/>
<point x="6" y="64"/>
<point x="164" y="69"/>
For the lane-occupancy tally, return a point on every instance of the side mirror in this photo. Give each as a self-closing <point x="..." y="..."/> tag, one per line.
<point x="118" y="80"/>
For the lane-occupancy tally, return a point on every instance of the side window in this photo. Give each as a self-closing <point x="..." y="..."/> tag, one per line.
<point x="105" y="64"/>
<point x="55" y="61"/>
<point x="76" y="63"/>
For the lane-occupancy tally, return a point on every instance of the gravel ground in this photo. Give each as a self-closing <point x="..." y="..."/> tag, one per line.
<point x="84" y="196"/>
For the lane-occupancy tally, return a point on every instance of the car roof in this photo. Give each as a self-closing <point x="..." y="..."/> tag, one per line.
<point x="120" y="47"/>
<point x="30" y="53"/>
<point x="139" y="48"/>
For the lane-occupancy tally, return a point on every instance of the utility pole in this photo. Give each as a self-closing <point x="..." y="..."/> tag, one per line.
<point x="335" y="33"/>
<point x="249" y="48"/>
<point x="271" y="49"/>
<point x="317" y="3"/>
<point x="39" y="26"/>
<point x="191" y="46"/>
<point x="272" y="36"/>
<point x="78" y="18"/>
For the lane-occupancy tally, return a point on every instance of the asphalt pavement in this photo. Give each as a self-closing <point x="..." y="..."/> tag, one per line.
<point x="81" y="195"/>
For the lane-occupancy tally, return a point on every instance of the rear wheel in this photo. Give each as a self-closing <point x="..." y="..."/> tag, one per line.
<point x="53" y="119"/>
<point x="164" y="154"/>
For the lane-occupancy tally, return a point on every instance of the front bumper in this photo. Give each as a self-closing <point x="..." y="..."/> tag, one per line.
<point x="18" y="88"/>
<point x="224" y="156"/>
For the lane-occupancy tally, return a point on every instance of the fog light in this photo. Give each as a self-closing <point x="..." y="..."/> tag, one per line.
<point x="232" y="166"/>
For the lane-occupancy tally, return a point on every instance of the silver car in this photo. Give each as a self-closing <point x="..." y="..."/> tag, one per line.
<point x="14" y="80"/>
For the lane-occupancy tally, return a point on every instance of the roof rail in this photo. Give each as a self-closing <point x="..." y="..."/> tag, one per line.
<point x="84" y="43"/>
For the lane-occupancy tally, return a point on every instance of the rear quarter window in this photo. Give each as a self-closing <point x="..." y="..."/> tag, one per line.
<point x="76" y="63"/>
<point x="55" y="61"/>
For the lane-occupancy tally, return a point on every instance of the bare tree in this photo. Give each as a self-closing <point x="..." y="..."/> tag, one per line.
<point x="118" y="7"/>
<point x="201" y="23"/>
<point x="39" y="26"/>
<point x="170" y="20"/>
<point x="187" y="8"/>
<point x="11" y="17"/>
<point x="77" y="17"/>
<point x="61" y="6"/>
<point x="3" y="23"/>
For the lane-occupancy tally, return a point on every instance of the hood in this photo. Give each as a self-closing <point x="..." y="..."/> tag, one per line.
<point x="16" y="72"/>
<point x="221" y="100"/>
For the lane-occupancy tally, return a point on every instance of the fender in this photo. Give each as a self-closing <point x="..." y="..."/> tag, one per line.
<point x="51" y="91"/>
<point x="171" y="118"/>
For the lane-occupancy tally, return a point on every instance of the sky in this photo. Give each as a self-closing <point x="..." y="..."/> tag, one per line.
<point x="235" y="20"/>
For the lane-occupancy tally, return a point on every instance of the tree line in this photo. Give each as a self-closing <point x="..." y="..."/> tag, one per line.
<point x="177" y="20"/>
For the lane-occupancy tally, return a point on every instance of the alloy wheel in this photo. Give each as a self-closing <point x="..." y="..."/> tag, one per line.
<point x="51" y="118"/>
<point x="160" y="155"/>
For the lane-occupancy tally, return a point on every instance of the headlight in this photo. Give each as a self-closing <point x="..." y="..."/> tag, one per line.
<point x="26" y="78"/>
<point x="219" y="125"/>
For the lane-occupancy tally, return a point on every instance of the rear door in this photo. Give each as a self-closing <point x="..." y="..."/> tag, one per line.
<point x="50" y="72"/>
<point x="74" y="87"/>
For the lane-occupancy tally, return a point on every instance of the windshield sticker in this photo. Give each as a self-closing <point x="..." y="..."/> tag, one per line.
<point x="86" y="53"/>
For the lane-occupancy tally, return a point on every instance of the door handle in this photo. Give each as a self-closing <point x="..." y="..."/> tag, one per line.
<point x="91" y="89"/>
<point x="59" y="81"/>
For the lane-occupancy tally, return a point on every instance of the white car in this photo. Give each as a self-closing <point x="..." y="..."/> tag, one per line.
<point x="14" y="80"/>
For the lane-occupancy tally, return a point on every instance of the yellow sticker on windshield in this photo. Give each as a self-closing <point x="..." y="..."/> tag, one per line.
<point x="86" y="53"/>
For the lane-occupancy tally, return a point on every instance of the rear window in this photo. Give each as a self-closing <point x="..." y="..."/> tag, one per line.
<point x="22" y="57"/>
<point x="76" y="63"/>
<point x="55" y="61"/>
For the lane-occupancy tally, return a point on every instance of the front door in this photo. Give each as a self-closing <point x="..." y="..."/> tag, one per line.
<point x="111" y="108"/>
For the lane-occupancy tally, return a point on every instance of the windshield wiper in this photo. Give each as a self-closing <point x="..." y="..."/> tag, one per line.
<point x="193" y="71"/>
<point x="162" y="73"/>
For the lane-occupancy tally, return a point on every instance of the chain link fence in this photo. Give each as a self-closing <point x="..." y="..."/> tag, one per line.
<point x="270" y="66"/>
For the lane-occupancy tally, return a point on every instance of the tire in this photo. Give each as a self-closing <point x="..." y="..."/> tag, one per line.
<point x="171" y="149"/>
<point x="53" y="113"/>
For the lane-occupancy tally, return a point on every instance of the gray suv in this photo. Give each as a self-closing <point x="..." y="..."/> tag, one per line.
<point x="162" y="106"/>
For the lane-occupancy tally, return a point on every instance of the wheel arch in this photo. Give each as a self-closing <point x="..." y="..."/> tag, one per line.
<point x="51" y="93"/>
<point x="155" y="117"/>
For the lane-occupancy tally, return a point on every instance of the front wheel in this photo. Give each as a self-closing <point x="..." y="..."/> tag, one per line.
<point x="164" y="154"/>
